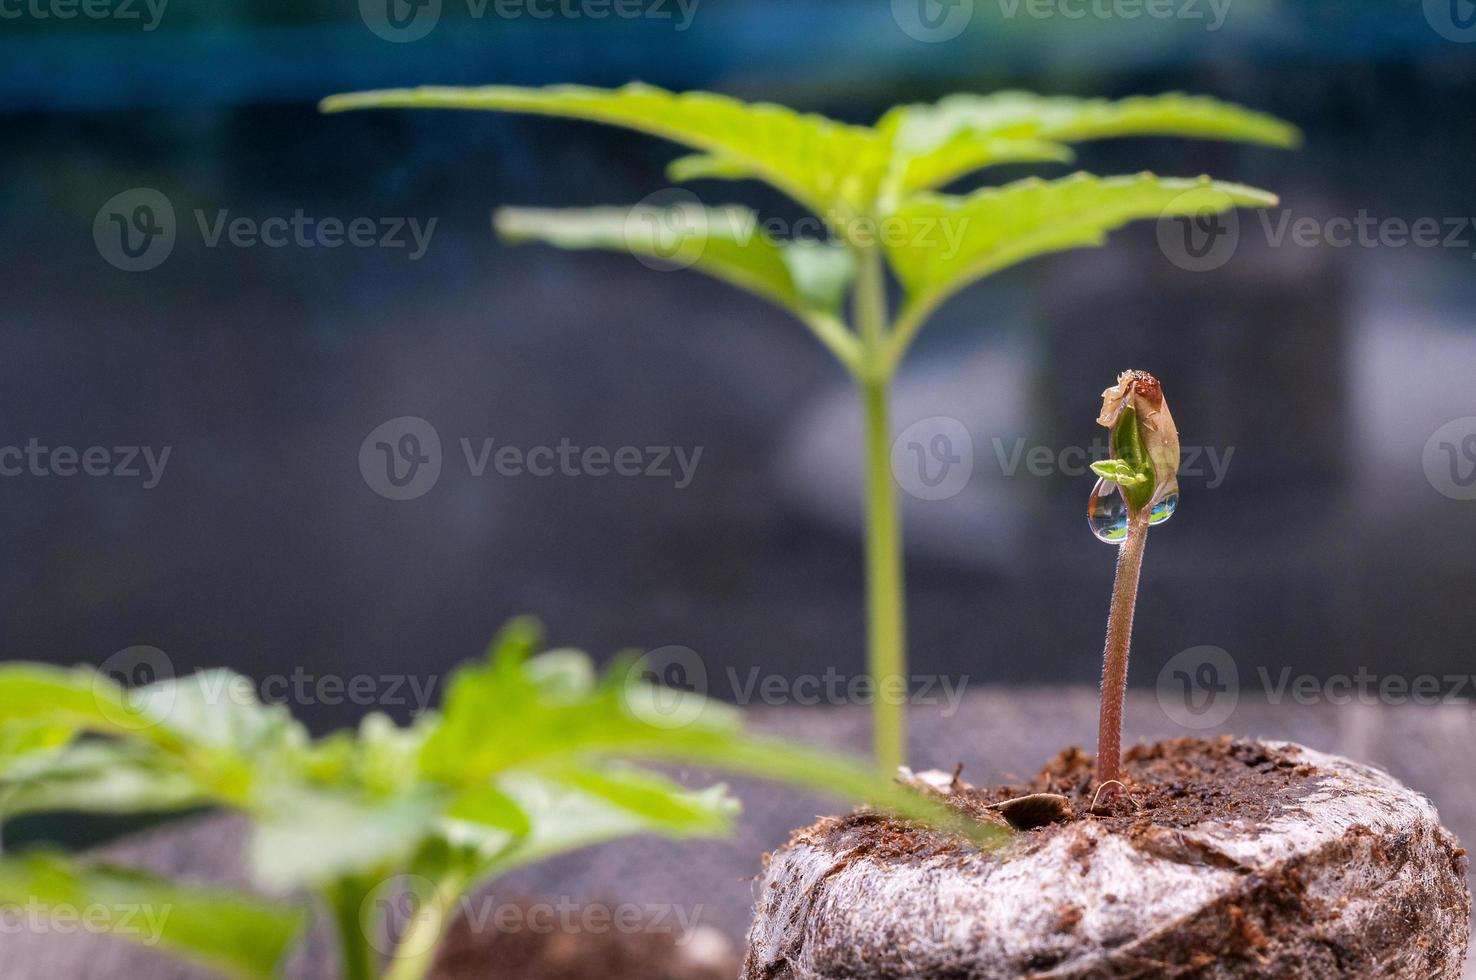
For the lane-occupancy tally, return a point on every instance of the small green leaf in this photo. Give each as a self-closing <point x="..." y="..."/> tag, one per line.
<point x="569" y="812"/>
<point x="1120" y="472"/>
<point x="724" y="242"/>
<point x="661" y="804"/>
<point x="306" y="835"/>
<point x="727" y="243"/>
<point x="97" y="777"/>
<point x="491" y="807"/>
<point x="241" y="936"/>
<point x="1065" y="119"/>
<point x="706" y="166"/>
<point x="963" y="154"/>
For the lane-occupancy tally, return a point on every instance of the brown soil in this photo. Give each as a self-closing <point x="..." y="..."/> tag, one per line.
<point x="469" y="954"/>
<point x="1173" y="784"/>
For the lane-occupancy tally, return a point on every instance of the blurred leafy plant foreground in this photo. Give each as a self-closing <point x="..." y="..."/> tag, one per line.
<point x="531" y="754"/>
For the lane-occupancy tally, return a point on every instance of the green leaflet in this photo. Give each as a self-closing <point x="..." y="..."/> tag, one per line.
<point x="934" y="143"/>
<point x="961" y="239"/>
<point x="97" y="776"/>
<point x="826" y="165"/>
<point x="242" y="937"/>
<point x="807" y="278"/>
<point x="725" y="242"/>
<point x="1119" y="471"/>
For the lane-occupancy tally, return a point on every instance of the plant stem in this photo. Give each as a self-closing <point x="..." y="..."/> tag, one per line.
<point x="356" y="956"/>
<point x="1115" y="656"/>
<point x="886" y="620"/>
<point x="884" y="604"/>
<point x="417" y="949"/>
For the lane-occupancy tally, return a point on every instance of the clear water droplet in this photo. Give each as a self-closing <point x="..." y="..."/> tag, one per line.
<point x="1164" y="509"/>
<point x="1107" y="512"/>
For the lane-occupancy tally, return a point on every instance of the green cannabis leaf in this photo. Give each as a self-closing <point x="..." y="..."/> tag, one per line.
<point x="532" y="754"/>
<point x="241" y="937"/>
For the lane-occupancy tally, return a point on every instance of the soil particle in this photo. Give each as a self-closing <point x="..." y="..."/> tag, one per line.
<point x="1171" y="785"/>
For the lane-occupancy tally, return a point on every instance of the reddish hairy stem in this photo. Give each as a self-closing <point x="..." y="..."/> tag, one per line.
<point x="1115" y="654"/>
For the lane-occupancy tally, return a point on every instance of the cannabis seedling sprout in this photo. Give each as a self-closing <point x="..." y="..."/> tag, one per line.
<point x="1137" y="487"/>
<point x="877" y="189"/>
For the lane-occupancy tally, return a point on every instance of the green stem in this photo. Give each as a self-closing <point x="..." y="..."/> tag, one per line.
<point x="356" y="956"/>
<point x="886" y="619"/>
<point x="416" y="952"/>
<point x="1115" y="653"/>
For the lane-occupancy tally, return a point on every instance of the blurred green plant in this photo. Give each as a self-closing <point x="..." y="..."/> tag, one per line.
<point x="530" y="755"/>
<point x="876" y="187"/>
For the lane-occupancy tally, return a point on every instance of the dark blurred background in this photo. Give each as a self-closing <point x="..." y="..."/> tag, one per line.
<point x="1339" y="534"/>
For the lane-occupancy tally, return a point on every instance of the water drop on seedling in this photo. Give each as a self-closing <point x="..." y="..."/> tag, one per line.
<point x="1164" y="509"/>
<point x="1107" y="512"/>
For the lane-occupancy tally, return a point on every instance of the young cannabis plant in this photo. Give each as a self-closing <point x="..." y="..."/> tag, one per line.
<point x="1137" y="488"/>
<point x="529" y="756"/>
<point x="876" y="187"/>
